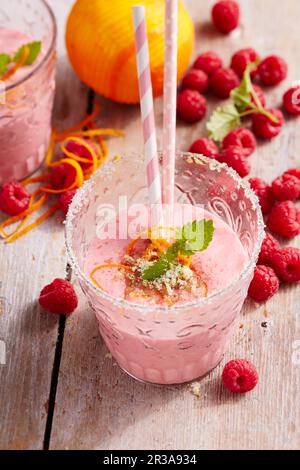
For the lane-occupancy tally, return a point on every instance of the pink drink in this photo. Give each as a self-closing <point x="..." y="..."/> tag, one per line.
<point x="152" y="341"/>
<point x="157" y="358"/>
<point x="26" y="97"/>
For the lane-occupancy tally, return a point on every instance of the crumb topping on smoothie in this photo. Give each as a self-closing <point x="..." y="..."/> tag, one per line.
<point x="164" y="266"/>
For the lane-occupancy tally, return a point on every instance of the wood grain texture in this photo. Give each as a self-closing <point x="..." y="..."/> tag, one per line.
<point x="25" y="267"/>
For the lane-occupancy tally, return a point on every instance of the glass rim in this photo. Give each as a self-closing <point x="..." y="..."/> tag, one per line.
<point x="48" y="53"/>
<point x="249" y="193"/>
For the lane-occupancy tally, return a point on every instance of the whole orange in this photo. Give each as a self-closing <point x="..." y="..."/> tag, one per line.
<point x="100" y="44"/>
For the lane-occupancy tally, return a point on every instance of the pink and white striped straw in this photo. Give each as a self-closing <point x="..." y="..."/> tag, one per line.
<point x="170" y="97"/>
<point x="147" y="109"/>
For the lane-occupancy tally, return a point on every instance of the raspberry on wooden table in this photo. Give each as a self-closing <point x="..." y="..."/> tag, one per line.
<point x="241" y="59"/>
<point x="284" y="220"/>
<point x="239" y="376"/>
<point x="272" y="70"/>
<point x="225" y="15"/>
<point x="264" y="284"/>
<point x="264" y="193"/>
<point x="268" y="248"/>
<point x="235" y="157"/>
<point x="191" y="106"/>
<point x="66" y="199"/>
<point x="241" y="137"/>
<point x="59" y="297"/>
<point x="291" y="100"/>
<point x="205" y="147"/>
<point x="286" y="188"/>
<point x="264" y="127"/>
<point x="14" y="198"/>
<point x="209" y="62"/>
<point x="286" y="264"/>
<point x="195" y="79"/>
<point x="293" y="171"/>
<point x="223" y="81"/>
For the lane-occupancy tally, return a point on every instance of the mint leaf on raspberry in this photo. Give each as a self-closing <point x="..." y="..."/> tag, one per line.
<point x="223" y="120"/>
<point x="34" y="50"/>
<point x="242" y="94"/>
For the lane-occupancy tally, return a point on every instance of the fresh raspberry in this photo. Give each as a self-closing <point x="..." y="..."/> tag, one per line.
<point x="209" y="62"/>
<point x="264" y="193"/>
<point x="286" y="264"/>
<point x="223" y="81"/>
<point x="239" y="376"/>
<point x="241" y="137"/>
<point x="284" y="220"/>
<point x="14" y="198"/>
<point x="241" y="59"/>
<point x="235" y="158"/>
<point x="59" y="297"/>
<point x="66" y="199"/>
<point x="294" y="172"/>
<point x="225" y="15"/>
<point x="195" y="79"/>
<point x="205" y="147"/>
<point x="264" y="284"/>
<point x="286" y="188"/>
<point x="191" y="105"/>
<point x="291" y="100"/>
<point x="260" y="95"/>
<point x="81" y="151"/>
<point x="272" y="70"/>
<point x="268" y="248"/>
<point x="262" y="126"/>
<point x="63" y="176"/>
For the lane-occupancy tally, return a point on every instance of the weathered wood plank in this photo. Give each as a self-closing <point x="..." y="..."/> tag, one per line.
<point x="29" y="336"/>
<point x="99" y="407"/>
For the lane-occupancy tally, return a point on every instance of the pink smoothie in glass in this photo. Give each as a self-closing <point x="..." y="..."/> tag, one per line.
<point x="25" y="110"/>
<point x="172" y="353"/>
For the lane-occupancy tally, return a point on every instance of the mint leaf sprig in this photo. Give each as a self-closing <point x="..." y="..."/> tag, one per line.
<point x="226" y="118"/>
<point x="34" y="50"/>
<point x="190" y="239"/>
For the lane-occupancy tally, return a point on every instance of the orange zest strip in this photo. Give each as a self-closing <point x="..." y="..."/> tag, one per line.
<point x="103" y="266"/>
<point x="29" y="227"/>
<point x="85" y="122"/>
<point x="78" y="182"/>
<point x="50" y="151"/>
<point x="17" y="65"/>
<point x="90" y="133"/>
<point x="88" y="147"/>
<point x="36" y="179"/>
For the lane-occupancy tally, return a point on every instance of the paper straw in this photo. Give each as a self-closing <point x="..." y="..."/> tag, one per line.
<point x="170" y="96"/>
<point x="147" y="110"/>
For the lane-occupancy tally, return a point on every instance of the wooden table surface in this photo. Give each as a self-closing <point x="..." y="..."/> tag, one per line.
<point x="59" y="387"/>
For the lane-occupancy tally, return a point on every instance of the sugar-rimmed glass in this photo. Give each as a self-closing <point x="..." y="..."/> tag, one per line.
<point x="201" y="329"/>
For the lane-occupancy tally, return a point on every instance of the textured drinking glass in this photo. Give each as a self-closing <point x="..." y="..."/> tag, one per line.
<point x="167" y="344"/>
<point x="26" y="106"/>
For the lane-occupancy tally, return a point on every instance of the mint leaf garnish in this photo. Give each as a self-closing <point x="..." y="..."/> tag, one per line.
<point x="191" y="238"/>
<point x="242" y="94"/>
<point x="223" y="120"/>
<point x="34" y="50"/>
<point x="5" y="59"/>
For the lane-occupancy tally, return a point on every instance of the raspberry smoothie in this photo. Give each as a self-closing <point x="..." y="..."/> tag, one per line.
<point x="25" y="109"/>
<point x="159" y="346"/>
